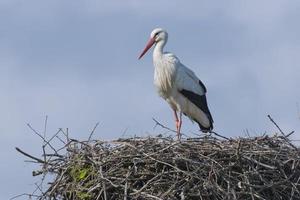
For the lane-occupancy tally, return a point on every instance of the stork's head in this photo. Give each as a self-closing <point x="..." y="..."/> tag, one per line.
<point x="156" y="36"/>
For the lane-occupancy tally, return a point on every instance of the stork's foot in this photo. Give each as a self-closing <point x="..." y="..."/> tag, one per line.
<point x="206" y="133"/>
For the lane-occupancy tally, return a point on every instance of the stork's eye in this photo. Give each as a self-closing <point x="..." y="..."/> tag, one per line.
<point x="156" y="34"/>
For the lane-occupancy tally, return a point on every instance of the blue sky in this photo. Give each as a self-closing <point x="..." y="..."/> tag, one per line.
<point x="77" y="63"/>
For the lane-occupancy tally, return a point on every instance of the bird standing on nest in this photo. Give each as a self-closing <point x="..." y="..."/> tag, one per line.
<point x="178" y="85"/>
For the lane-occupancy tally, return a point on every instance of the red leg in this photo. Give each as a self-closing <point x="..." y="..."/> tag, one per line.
<point x="179" y="126"/>
<point x="176" y="120"/>
<point x="178" y="123"/>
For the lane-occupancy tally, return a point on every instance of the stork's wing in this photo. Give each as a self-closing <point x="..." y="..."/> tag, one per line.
<point x="187" y="80"/>
<point x="200" y="101"/>
<point x="193" y="89"/>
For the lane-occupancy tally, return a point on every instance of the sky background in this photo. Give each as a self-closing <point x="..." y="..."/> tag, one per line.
<point x="76" y="62"/>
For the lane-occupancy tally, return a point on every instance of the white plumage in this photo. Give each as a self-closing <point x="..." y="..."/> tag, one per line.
<point x="178" y="85"/>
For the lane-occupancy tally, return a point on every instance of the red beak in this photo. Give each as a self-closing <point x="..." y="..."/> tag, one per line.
<point x="148" y="46"/>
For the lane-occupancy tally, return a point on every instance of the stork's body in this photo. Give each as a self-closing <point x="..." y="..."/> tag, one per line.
<point x="178" y="85"/>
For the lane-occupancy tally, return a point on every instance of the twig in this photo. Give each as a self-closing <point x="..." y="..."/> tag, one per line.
<point x="221" y="136"/>
<point x="29" y="156"/>
<point x="103" y="184"/>
<point x="125" y="190"/>
<point x="146" y="185"/>
<point x="45" y="126"/>
<point x="91" y="134"/>
<point x="260" y="163"/>
<point x="163" y="126"/>
<point x="25" y="194"/>
<point x="271" y="119"/>
<point x="285" y="137"/>
<point x="37" y="133"/>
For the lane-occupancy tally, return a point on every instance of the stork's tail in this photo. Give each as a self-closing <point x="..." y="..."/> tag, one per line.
<point x="207" y="129"/>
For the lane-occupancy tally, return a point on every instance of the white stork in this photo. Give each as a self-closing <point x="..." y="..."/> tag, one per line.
<point x="178" y="85"/>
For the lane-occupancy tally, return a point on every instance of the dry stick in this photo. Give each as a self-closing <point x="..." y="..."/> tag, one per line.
<point x="39" y="187"/>
<point x="159" y="161"/>
<point x="53" y="155"/>
<point x="145" y="185"/>
<point x="25" y="194"/>
<point x="285" y="136"/>
<point x="57" y="182"/>
<point x="276" y="125"/>
<point x="30" y="156"/>
<point x="44" y="140"/>
<point x="44" y="155"/>
<point x="94" y="188"/>
<point x="149" y="195"/>
<point x="48" y="142"/>
<point x="99" y="195"/>
<point x="66" y="134"/>
<point x="259" y="163"/>
<point x="103" y="184"/>
<point x="45" y="126"/>
<point x="60" y="140"/>
<point x="126" y="185"/>
<point x="65" y="146"/>
<point x="91" y="134"/>
<point x="165" y="127"/>
<point x="63" y="132"/>
<point x="167" y="147"/>
<point x="125" y="190"/>
<point x="289" y="134"/>
<point x="226" y="138"/>
<point x="295" y="188"/>
<point x="168" y="191"/>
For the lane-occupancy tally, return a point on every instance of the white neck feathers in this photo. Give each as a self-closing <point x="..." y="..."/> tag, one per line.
<point x="158" y="49"/>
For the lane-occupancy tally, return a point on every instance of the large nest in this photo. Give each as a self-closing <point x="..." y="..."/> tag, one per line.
<point x="265" y="167"/>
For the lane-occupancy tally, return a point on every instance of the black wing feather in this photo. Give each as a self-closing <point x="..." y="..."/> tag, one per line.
<point x="201" y="102"/>
<point x="203" y="86"/>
